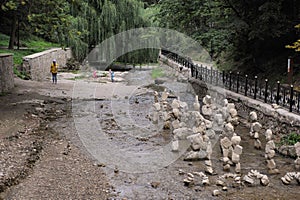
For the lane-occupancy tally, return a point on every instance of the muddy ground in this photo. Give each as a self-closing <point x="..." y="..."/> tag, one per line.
<point x="44" y="156"/>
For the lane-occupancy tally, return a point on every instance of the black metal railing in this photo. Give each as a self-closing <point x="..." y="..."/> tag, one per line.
<point x="255" y="88"/>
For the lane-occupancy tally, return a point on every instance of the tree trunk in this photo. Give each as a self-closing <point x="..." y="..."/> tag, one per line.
<point x="13" y="31"/>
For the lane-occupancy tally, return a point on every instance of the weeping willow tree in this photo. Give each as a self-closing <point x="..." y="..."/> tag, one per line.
<point x="94" y="21"/>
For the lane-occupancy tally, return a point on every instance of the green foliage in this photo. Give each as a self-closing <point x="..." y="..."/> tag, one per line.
<point x="295" y="45"/>
<point x="157" y="73"/>
<point x="244" y="34"/>
<point x="4" y="40"/>
<point x="290" y="139"/>
<point x="33" y="45"/>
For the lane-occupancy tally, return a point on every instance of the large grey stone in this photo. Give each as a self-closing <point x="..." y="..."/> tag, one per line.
<point x="206" y="110"/>
<point x="236" y="140"/>
<point x="253" y="116"/>
<point x="235" y="158"/>
<point x="157" y="106"/>
<point x="233" y="112"/>
<point x="270" y="146"/>
<point x="238" y="150"/>
<point x="175" y="104"/>
<point x="195" y="155"/>
<point x="268" y="134"/>
<point x="182" y="133"/>
<point x="256" y="127"/>
<point x="207" y="100"/>
<point x="225" y="142"/>
<point x="197" y="142"/>
<point x="175" y="124"/>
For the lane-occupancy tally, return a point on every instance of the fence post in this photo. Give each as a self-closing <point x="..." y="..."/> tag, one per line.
<point x="291" y="98"/>
<point x="255" y="87"/>
<point x="298" y="101"/>
<point x="266" y="90"/>
<point x="246" y="85"/>
<point x="230" y="80"/>
<point x="237" y="82"/>
<point x="278" y="92"/>
<point x="223" y="77"/>
<point x="205" y="69"/>
<point x="217" y="78"/>
<point x="211" y="75"/>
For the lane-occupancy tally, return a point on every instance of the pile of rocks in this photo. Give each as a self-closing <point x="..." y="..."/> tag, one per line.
<point x="253" y="177"/>
<point x="235" y="181"/>
<point x="297" y="161"/>
<point x="287" y="179"/>
<point x="196" y="177"/>
<point x="255" y="128"/>
<point x="270" y="153"/>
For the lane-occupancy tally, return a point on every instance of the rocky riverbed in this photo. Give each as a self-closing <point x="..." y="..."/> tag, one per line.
<point x="50" y="146"/>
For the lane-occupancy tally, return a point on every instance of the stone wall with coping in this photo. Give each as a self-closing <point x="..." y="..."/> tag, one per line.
<point x="37" y="65"/>
<point x="6" y="73"/>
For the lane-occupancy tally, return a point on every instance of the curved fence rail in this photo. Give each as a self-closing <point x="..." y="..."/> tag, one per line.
<point x="282" y="95"/>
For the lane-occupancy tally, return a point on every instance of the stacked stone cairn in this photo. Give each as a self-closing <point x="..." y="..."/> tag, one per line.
<point x="270" y="153"/>
<point x="297" y="161"/>
<point x="255" y="128"/>
<point x="231" y="149"/>
<point x="290" y="176"/>
<point x="254" y="177"/>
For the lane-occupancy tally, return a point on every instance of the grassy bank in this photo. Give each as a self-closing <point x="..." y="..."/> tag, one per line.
<point x="28" y="46"/>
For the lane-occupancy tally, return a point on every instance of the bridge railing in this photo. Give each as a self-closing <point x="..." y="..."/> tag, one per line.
<point x="255" y="88"/>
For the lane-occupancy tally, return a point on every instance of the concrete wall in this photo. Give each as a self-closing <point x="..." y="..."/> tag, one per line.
<point x="37" y="65"/>
<point x="6" y="72"/>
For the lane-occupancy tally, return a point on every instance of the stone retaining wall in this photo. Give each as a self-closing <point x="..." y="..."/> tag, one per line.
<point x="6" y="73"/>
<point x="279" y="120"/>
<point x="37" y="65"/>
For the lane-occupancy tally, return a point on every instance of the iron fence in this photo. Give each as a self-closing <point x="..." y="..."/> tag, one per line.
<point x="255" y="88"/>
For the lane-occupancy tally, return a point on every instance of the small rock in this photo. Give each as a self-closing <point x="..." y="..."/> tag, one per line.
<point x="181" y="172"/>
<point x="216" y="193"/>
<point x="208" y="162"/>
<point x="155" y="184"/>
<point x="220" y="183"/>
<point x="205" y="181"/>
<point x="175" y="146"/>
<point x="248" y="180"/>
<point x="224" y="188"/>
<point x="190" y="175"/>
<point x="285" y="181"/>
<point x="264" y="180"/>
<point x="187" y="182"/>
<point x="226" y="167"/>
<point x="209" y="170"/>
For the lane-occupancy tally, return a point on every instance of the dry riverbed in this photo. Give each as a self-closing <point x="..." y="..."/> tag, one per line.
<point x="42" y="155"/>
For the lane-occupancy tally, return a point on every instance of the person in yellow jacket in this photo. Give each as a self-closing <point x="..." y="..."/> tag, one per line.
<point x="53" y="70"/>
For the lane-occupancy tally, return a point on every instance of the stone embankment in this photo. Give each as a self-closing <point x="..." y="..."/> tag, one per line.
<point x="37" y="66"/>
<point x="6" y="73"/>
